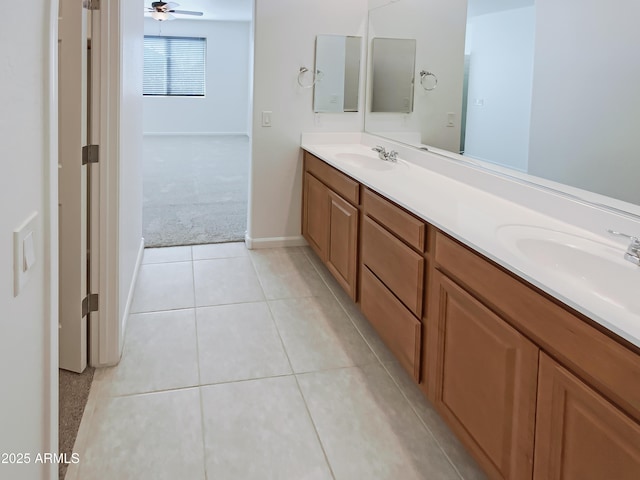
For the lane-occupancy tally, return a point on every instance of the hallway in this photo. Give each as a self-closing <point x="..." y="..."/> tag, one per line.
<point x="244" y="365"/>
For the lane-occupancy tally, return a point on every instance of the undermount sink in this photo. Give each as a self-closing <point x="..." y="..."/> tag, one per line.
<point x="369" y="162"/>
<point x="595" y="268"/>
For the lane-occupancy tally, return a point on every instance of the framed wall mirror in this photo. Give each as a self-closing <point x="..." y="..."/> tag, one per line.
<point x="542" y="90"/>
<point x="393" y="64"/>
<point x="337" y="81"/>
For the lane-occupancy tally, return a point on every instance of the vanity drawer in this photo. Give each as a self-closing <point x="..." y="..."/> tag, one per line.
<point x="399" y="329"/>
<point x="395" y="264"/>
<point x="409" y="228"/>
<point x="594" y="356"/>
<point x="337" y="181"/>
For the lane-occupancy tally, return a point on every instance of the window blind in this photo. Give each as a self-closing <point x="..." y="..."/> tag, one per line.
<point x="174" y="66"/>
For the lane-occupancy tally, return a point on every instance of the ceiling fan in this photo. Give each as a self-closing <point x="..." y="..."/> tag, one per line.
<point x="163" y="11"/>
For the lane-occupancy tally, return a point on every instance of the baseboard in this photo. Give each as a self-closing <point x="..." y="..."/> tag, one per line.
<point x="194" y="134"/>
<point x="132" y="289"/>
<point x="274" y="242"/>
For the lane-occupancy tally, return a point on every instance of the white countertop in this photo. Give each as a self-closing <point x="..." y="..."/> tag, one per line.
<point x="469" y="212"/>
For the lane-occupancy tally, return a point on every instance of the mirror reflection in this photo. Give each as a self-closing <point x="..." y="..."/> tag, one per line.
<point x="393" y="65"/>
<point x="545" y="89"/>
<point x="338" y="74"/>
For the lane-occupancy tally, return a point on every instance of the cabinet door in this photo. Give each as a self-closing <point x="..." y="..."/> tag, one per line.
<point x="485" y="381"/>
<point x="315" y="215"/>
<point x="342" y="253"/>
<point x="579" y="434"/>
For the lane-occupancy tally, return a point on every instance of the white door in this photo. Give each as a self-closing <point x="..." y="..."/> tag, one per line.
<point x="72" y="113"/>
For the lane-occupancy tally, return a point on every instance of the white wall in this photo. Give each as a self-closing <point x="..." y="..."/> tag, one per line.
<point x="224" y="107"/>
<point x="26" y="364"/>
<point x="585" y="89"/>
<point x="439" y="28"/>
<point x="130" y="158"/>
<point x="500" y="81"/>
<point x="285" y="32"/>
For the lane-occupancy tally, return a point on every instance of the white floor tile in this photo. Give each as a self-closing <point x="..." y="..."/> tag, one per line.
<point x="287" y="273"/>
<point x="225" y="281"/>
<point x="260" y="430"/>
<point x="239" y="342"/>
<point x="164" y="286"/>
<point x="318" y="335"/>
<point x="159" y="354"/>
<point x="155" y="436"/>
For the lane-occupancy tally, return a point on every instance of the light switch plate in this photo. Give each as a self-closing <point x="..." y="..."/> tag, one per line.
<point x="23" y="259"/>
<point x="266" y="118"/>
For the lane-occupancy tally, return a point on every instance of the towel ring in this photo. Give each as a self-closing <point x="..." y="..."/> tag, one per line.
<point x="424" y="74"/>
<point x="316" y="77"/>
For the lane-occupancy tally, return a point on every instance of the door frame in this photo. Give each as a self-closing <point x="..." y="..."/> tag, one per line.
<point x="105" y="342"/>
<point x="50" y="442"/>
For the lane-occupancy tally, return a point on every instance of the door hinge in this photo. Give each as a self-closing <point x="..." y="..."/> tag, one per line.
<point x="90" y="304"/>
<point x="91" y="4"/>
<point x="90" y="154"/>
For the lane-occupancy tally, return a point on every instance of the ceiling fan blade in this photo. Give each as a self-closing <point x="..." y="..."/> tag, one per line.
<point x="186" y="12"/>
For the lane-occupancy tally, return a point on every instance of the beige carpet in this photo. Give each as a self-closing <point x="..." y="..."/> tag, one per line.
<point x="74" y="392"/>
<point x="195" y="189"/>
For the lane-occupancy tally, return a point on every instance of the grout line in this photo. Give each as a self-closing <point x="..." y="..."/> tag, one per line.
<point x="315" y="428"/>
<point x="202" y="422"/>
<point x="203" y="432"/>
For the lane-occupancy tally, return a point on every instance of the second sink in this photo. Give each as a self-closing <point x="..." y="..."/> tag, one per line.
<point x="596" y="268"/>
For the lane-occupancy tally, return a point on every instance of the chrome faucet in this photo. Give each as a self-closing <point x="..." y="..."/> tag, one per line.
<point x="391" y="156"/>
<point x="633" y="250"/>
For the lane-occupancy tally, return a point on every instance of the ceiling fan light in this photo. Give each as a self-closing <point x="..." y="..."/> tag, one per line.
<point x="160" y="16"/>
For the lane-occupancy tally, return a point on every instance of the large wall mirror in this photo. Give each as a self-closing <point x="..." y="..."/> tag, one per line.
<point x="337" y="79"/>
<point x="539" y="89"/>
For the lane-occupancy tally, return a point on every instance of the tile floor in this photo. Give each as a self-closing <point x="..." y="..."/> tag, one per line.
<point x="247" y="365"/>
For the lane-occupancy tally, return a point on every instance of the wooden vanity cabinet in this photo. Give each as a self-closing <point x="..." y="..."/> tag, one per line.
<point x="484" y="375"/>
<point x="580" y="435"/>
<point x="493" y="379"/>
<point x="330" y="219"/>
<point x="533" y="389"/>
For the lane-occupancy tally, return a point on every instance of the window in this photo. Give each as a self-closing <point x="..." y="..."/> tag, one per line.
<point x="174" y="66"/>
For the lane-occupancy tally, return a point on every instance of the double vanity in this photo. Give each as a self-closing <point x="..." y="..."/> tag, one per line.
<point x="521" y="328"/>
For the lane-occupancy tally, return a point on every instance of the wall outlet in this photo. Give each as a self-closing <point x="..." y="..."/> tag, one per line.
<point x="25" y="239"/>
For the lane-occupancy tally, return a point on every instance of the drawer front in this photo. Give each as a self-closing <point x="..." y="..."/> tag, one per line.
<point x="399" y="329"/>
<point x="396" y="265"/>
<point x="337" y="181"/>
<point x="596" y="357"/>
<point x="409" y="228"/>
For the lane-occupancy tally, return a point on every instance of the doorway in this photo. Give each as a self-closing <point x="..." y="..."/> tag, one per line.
<point x="196" y="124"/>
